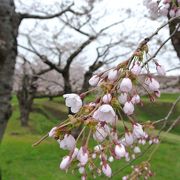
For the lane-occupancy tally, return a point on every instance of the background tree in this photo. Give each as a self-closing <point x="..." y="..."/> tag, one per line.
<point x="10" y="21"/>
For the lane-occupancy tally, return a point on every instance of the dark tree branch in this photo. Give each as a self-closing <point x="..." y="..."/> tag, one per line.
<point x="31" y="16"/>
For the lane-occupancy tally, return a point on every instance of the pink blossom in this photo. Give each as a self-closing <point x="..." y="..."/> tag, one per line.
<point x="136" y="99"/>
<point x="105" y="113"/>
<point x="122" y="98"/>
<point x="107" y="98"/>
<point x="75" y="153"/>
<point x="137" y="150"/>
<point x="65" y="163"/>
<point x="113" y="75"/>
<point x="128" y="108"/>
<point x="93" y="81"/>
<point x="172" y="13"/>
<point x="160" y="69"/>
<point x="111" y="159"/>
<point x="120" y="150"/>
<point x="52" y="132"/>
<point x="107" y="170"/>
<point x="82" y="156"/>
<point x="126" y="85"/>
<point x="136" y="69"/>
<point x="178" y="12"/>
<point x="101" y="133"/>
<point x="73" y="101"/>
<point x="154" y="85"/>
<point x="138" y="131"/>
<point x="68" y="142"/>
<point x="129" y="138"/>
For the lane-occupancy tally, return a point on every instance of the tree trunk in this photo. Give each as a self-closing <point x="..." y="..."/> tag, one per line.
<point x="9" y="23"/>
<point x="25" y="98"/>
<point x="67" y="85"/>
<point x="85" y="85"/>
<point x="25" y="106"/>
<point x="176" y="38"/>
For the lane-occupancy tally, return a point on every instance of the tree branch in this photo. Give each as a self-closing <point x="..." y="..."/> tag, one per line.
<point x="31" y="16"/>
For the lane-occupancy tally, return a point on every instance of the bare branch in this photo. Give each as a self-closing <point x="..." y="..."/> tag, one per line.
<point x="31" y="16"/>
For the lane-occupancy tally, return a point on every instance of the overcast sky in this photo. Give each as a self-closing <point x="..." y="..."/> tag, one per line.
<point x="139" y="25"/>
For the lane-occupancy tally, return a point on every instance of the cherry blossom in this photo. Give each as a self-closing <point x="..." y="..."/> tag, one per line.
<point x="52" y="132"/>
<point x="122" y="98"/>
<point x="128" y="108"/>
<point x="129" y="138"/>
<point x="137" y="150"/>
<point x="65" y="163"/>
<point x="120" y="150"/>
<point x="73" y="101"/>
<point x="138" y="131"/>
<point x="107" y="98"/>
<point x="136" y="69"/>
<point x="160" y="69"/>
<point x="82" y="156"/>
<point x="154" y="85"/>
<point x="126" y="85"/>
<point x="136" y="99"/>
<point x="68" y="142"/>
<point x="113" y="75"/>
<point x="105" y="113"/>
<point x="93" y="81"/>
<point x="107" y="170"/>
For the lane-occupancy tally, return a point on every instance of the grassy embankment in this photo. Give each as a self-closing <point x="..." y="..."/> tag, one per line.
<point x="19" y="161"/>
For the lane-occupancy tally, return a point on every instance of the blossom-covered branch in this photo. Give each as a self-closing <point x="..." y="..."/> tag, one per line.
<point x="109" y="119"/>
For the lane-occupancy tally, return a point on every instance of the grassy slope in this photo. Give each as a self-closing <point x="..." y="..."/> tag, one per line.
<point x="19" y="161"/>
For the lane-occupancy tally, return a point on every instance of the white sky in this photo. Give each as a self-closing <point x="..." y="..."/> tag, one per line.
<point x="138" y="26"/>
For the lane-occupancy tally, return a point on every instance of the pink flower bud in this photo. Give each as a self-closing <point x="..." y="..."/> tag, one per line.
<point x="178" y="12"/>
<point x="120" y="151"/>
<point x="137" y="150"/>
<point x="122" y="98"/>
<point x="129" y="138"/>
<point x="138" y="131"/>
<point x="128" y="108"/>
<point x="65" y="163"/>
<point x="154" y="85"/>
<point x="161" y="71"/>
<point x="113" y="75"/>
<point x="101" y="133"/>
<point x="93" y="81"/>
<point x="136" y="99"/>
<point x="172" y="13"/>
<point x="68" y="142"/>
<point x="136" y="69"/>
<point x="126" y="85"/>
<point x="83" y="156"/>
<point x="82" y="170"/>
<point x="107" y="98"/>
<point x="52" y="132"/>
<point x="107" y="170"/>
<point x="75" y="153"/>
<point x="111" y="159"/>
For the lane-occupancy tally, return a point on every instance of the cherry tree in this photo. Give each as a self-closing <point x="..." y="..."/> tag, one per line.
<point x="10" y="22"/>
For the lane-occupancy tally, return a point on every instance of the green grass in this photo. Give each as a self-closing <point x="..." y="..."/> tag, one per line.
<point x="20" y="161"/>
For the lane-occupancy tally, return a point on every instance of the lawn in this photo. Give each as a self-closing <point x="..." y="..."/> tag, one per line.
<point x="20" y="161"/>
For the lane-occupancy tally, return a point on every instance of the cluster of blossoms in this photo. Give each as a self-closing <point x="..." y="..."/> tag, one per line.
<point x="143" y="169"/>
<point x="103" y="119"/>
<point x="163" y="7"/>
